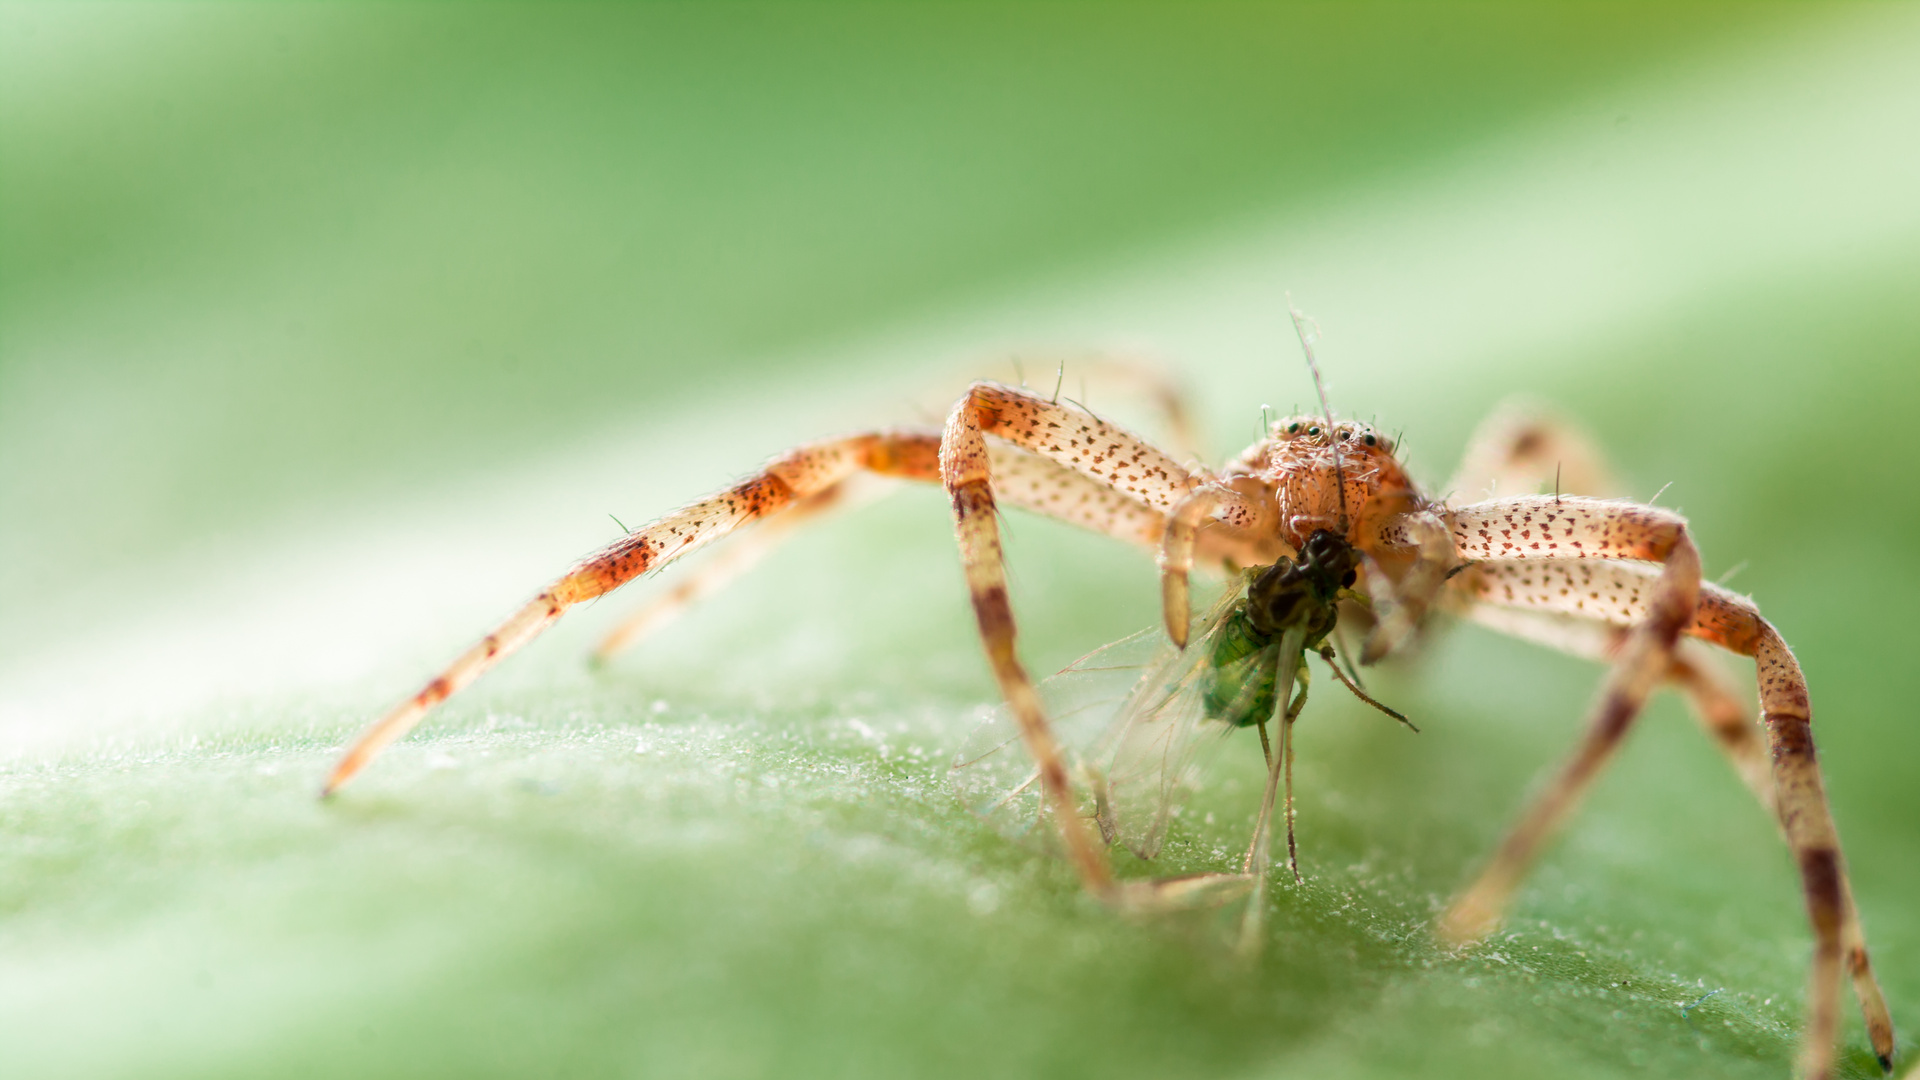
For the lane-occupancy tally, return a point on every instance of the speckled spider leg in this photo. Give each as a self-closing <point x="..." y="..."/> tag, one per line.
<point x="1616" y="593"/>
<point x="1543" y="527"/>
<point x="1404" y="588"/>
<point x="792" y="477"/>
<point x="1523" y="447"/>
<point x="728" y="563"/>
<point x="1718" y="707"/>
<point x="1520" y="449"/>
<point x="1213" y="504"/>
<point x="1023" y="479"/>
<point x="1142" y="377"/>
<point x="1086" y="444"/>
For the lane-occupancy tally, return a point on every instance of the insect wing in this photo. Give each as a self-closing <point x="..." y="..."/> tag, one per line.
<point x="993" y="774"/>
<point x="1151" y="755"/>
<point x="1131" y="722"/>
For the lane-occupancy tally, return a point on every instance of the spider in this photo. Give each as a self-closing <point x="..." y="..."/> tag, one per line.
<point x="1324" y="514"/>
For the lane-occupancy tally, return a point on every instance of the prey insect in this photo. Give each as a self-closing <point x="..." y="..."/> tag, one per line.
<point x="1312" y="500"/>
<point x="1245" y="667"/>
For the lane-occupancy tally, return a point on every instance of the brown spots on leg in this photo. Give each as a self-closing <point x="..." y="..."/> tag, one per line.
<point x="1783" y="772"/>
<point x="966" y="468"/>
<point x="1077" y="439"/>
<point x="1644" y="661"/>
<point x="437" y="690"/>
<point x="910" y="455"/>
<point x="792" y="477"/>
<point x="1567" y="527"/>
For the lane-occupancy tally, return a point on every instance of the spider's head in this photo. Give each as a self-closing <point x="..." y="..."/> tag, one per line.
<point x="1297" y="460"/>
<point x="1357" y="441"/>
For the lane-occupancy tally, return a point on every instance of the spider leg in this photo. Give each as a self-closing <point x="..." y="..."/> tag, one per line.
<point x="1155" y="382"/>
<point x="1413" y="553"/>
<point x="802" y="481"/>
<point x="1182" y="537"/>
<point x="1795" y="793"/>
<point x="1538" y="528"/>
<point x="1716" y="705"/>
<point x="1022" y="479"/>
<point x="1113" y="459"/>
<point x="966" y="469"/>
<point x="790" y="478"/>
<point x="1521" y="447"/>
<point x="724" y="566"/>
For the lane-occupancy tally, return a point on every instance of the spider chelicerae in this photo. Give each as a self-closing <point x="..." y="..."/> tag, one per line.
<point x="1316" y="518"/>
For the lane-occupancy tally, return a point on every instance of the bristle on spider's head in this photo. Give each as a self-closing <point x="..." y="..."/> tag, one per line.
<point x="1307" y="339"/>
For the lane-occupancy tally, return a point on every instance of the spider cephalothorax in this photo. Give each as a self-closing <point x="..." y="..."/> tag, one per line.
<point x="1303" y="464"/>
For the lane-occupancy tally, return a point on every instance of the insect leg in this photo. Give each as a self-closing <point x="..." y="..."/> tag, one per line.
<point x="1279" y="765"/>
<point x="1286" y="748"/>
<point x="1333" y="664"/>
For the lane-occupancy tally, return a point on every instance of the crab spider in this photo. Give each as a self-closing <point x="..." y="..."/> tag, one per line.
<point x="1615" y="581"/>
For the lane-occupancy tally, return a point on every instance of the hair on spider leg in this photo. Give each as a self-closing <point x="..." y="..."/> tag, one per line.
<point x="1657" y="494"/>
<point x="622" y="524"/>
<point x="1730" y="572"/>
<point x="1082" y="406"/>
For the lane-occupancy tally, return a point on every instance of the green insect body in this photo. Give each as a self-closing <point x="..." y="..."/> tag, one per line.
<point x="1245" y="671"/>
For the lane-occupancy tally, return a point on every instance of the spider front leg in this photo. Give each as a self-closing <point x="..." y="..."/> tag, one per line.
<point x="966" y="469"/>
<point x="1100" y="452"/>
<point x="1234" y="514"/>
<point x="722" y="568"/>
<point x="791" y="478"/>
<point x="1021" y="478"/>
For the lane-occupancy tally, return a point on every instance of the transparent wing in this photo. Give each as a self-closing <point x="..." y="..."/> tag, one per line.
<point x="1130" y="719"/>
<point x="993" y="774"/>
<point x="1153" y="751"/>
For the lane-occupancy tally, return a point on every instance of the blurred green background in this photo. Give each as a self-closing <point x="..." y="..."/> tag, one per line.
<point x="328" y="333"/>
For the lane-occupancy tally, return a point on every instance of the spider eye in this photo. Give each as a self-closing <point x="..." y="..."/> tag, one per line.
<point x="1293" y="429"/>
<point x="1370" y="441"/>
<point x="1313" y="431"/>
<point x="1344" y="435"/>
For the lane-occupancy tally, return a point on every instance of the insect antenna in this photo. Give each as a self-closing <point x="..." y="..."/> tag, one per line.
<point x="1300" y="322"/>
